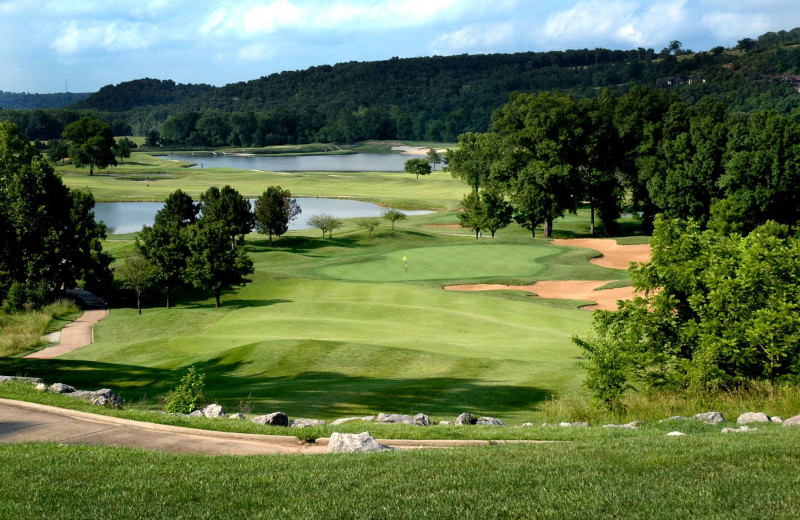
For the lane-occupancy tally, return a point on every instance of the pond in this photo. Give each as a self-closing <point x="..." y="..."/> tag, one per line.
<point x="129" y="217"/>
<point x="355" y="162"/>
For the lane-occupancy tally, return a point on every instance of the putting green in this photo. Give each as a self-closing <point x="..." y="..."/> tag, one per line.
<point x="445" y="263"/>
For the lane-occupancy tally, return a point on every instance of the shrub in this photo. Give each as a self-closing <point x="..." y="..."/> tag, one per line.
<point x="187" y="396"/>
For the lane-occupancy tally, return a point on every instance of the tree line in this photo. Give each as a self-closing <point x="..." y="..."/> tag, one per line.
<point x="647" y="152"/>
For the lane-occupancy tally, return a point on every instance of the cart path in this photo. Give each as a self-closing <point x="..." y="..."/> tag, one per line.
<point x="31" y="422"/>
<point x="80" y="332"/>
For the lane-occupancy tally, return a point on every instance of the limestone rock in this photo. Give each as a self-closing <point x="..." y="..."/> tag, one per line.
<point x="238" y="416"/>
<point x="676" y="434"/>
<point x="580" y="424"/>
<point x="17" y="379"/>
<point x="752" y="417"/>
<point x="633" y="425"/>
<point x="366" y="418"/>
<point x="354" y="443"/>
<point x="273" y="419"/>
<point x="422" y="420"/>
<point x="466" y="418"/>
<point x="445" y="423"/>
<point x="739" y="429"/>
<point x="394" y="418"/>
<point x="709" y="417"/>
<point x="41" y="387"/>
<point x="792" y="421"/>
<point x="527" y="424"/>
<point x="776" y="419"/>
<point x="103" y="397"/>
<point x="214" y="411"/>
<point x="197" y="413"/>
<point x="305" y="423"/>
<point x="490" y="421"/>
<point x="60" y="388"/>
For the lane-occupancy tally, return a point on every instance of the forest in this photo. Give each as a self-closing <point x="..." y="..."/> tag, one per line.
<point x="431" y="98"/>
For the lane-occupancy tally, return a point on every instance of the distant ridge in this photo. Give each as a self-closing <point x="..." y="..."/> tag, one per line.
<point x="27" y="101"/>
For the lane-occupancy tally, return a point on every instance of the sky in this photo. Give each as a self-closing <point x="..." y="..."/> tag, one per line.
<point x="82" y="45"/>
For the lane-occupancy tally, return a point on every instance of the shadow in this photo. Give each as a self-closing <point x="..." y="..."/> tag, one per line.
<point x="234" y="304"/>
<point x="323" y="394"/>
<point x="299" y="245"/>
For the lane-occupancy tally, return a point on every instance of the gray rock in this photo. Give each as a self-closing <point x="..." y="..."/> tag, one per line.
<point x="526" y="424"/>
<point x="238" y="416"/>
<point x="354" y="443"/>
<point x="580" y="424"/>
<point x="214" y="411"/>
<point x="739" y="429"/>
<point x="305" y="423"/>
<point x="17" y="379"/>
<point x="466" y="418"/>
<point x="366" y="418"/>
<point x="60" y="388"/>
<point x="445" y="423"/>
<point x="197" y="413"/>
<point x="273" y="419"/>
<point x="676" y="434"/>
<point x="776" y="419"/>
<point x="792" y="421"/>
<point x="752" y="417"/>
<point x="490" y="421"/>
<point x="675" y="418"/>
<point x="103" y="397"/>
<point x="633" y="425"/>
<point x="41" y="387"/>
<point x="709" y="417"/>
<point x="422" y="420"/>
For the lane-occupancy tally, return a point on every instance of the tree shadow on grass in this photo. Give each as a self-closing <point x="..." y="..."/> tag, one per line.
<point x="234" y="304"/>
<point x="313" y="394"/>
<point x="299" y="245"/>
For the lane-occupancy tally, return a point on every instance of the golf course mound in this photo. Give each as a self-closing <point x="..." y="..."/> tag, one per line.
<point x="446" y="263"/>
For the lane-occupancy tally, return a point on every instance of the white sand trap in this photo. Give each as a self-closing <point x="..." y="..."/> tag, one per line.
<point x="606" y="299"/>
<point x="614" y="256"/>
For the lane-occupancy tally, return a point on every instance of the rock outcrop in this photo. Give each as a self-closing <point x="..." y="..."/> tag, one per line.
<point x="354" y="443"/>
<point x="272" y="419"/>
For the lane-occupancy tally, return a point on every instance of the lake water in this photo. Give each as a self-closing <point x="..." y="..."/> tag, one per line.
<point x="129" y="217"/>
<point x="356" y="162"/>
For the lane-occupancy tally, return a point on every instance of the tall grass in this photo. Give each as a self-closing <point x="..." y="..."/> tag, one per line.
<point x="23" y="331"/>
<point x="773" y="399"/>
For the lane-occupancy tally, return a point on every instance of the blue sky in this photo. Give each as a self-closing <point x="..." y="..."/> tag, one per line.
<point x="100" y="42"/>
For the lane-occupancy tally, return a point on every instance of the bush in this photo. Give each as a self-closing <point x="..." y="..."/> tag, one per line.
<point x="188" y="395"/>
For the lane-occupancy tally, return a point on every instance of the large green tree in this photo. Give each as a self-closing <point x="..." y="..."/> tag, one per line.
<point x="228" y="207"/>
<point x="472" y="160"/>
<point x="417" y="167"/>
<point x="91" y="143"/>
<point x="274" y="210"/>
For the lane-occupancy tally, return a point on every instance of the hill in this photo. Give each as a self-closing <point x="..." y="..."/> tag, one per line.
<point x="25" y="101"/>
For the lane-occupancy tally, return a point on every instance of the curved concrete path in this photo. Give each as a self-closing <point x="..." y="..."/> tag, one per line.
<point x="31" y="422"/>
<point x="80" y="332"/>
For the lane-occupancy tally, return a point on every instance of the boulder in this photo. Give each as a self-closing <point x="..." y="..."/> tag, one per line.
<point x="633" y="425"/>
<point x="709" y="417"/>
<point x="273" y="419"/>
<point x="752" y="417"/>
<point x="305" y="423"/>
<point x="676" y="434"/>
<point x="103" y="397"/>
<point x="366" y="418"/>
<point x="197" y="413"/>
<point x="16" y="379"/>
<point x="239" y="416"/>
<point x="214" y="411"/>
<point x="422" y="420"/>
<point x="580" y="424"/>
<point x="776" y="419"/>
<point x="41" y="387"/>
<point x="445" y="423"/>
<point x="466" y="418"/>
<point x="490" y="421"/>
<point x="526" y="424"/>
<point x="354" y="443"/>
<point x="60" y="388"/>
<point x="792" y="421"/>
<point x="739" y="429"/>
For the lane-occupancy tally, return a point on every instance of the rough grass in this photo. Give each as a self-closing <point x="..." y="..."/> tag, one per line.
<point x="631" y="476"/>
<point x="23" y="331"/>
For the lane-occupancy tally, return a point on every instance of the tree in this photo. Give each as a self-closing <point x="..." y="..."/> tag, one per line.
<point x="152" y="139"/>
<point x="417" y="167"/>
<point x="231" y="209"/>
<point x="274" y="209"/>
<point x="394" y="215"/>
<point x="746" y="44"/>
<point x="434" y="157"/>
<point x="123" y="148"/>
<point x="718" y="311"/>
<point x="531" y="207"/>
<point x="166" y="244"/>
<point x="212" y="263"/>
<point x="474" y="214"/>
<point x="472" y="160"/>
<point x="325" y="223"/>
<point x="138" y="274"/>
<point x="91" y="144"/>
<point x="57" y="150"/>
<point x="368" y="224"/>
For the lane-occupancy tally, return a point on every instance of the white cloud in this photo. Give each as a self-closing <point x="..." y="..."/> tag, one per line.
<point x="475" y="38"/>
<point x="75" y="38"/>
<point x="255" y="52"/>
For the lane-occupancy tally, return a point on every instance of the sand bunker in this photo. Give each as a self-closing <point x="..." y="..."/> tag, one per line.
<point x="614" y="256"/>
<point x="606" y="299"/>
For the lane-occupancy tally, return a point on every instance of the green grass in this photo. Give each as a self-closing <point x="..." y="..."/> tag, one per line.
<point x="22" y="332"/>
<point x="640" y="475"/>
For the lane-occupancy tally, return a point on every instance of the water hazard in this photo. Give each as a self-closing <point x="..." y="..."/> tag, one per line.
<point x="356" y="162"/>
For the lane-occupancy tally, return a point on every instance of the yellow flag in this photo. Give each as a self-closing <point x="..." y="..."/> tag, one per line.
<point x="404" y="258"/>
